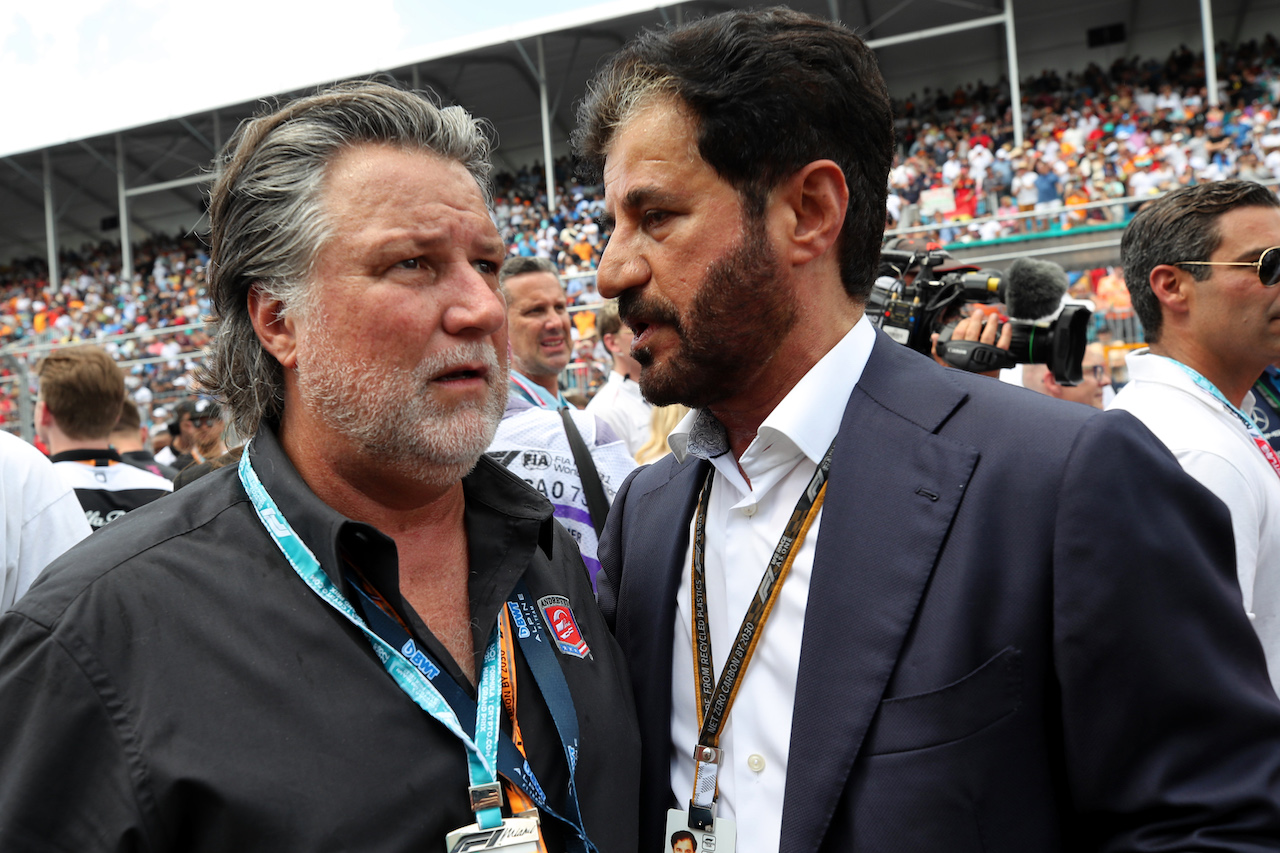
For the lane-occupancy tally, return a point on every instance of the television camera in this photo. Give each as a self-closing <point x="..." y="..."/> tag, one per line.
<point x="914" y="297"/>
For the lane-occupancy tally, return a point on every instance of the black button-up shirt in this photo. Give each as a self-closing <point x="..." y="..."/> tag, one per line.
<point x="174" y="685"/>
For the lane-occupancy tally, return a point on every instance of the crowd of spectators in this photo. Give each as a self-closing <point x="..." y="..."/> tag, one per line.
<point x="1135" y="129"/>
<point x="570" y="235"/>
<point x="93" y="303"/>
<point x="1131" y="131"/>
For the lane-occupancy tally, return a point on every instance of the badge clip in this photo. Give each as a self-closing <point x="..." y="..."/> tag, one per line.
<point x="487" y="796"/>
<point x="701" y="818"/>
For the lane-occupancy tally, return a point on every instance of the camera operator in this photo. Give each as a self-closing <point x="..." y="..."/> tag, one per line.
<point x="981" y="326"/>
<point x="1202" y="269"/>
<point x="1090" y="390"/>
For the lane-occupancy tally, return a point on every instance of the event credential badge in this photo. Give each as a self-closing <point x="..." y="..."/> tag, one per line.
<point x="513" y="835"/>
<point x="683" y="838"/>
<point x="555" y="608"/>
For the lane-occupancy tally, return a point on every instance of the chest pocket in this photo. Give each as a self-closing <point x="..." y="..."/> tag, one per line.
<point x="985" y="696"/>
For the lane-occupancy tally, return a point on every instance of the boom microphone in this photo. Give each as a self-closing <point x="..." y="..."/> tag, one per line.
<point x="1034" y="289"/>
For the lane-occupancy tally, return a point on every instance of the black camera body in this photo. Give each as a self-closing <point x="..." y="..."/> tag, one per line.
<point x="911" y="301"/>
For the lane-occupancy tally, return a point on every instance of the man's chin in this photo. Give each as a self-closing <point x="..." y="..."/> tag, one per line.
<point x="665" y="385"/>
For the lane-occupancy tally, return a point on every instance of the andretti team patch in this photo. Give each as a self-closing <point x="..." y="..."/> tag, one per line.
<point x="560" y="619"/>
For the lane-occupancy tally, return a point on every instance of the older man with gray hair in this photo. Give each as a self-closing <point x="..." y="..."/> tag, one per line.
<point x="321" y="647"/>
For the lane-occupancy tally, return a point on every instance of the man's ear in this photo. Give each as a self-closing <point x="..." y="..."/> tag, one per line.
<point x="1051" y="385"/>
<point x="277" y="332"/>
<point x="1170" y="288"/>
<point x="816" y="199"/>
<point x="610" y="342"/>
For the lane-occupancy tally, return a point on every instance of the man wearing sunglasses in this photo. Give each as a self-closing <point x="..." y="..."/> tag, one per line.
<point x="1201" y="265"/>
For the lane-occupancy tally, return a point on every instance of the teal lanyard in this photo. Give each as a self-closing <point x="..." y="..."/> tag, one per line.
<point x="1250" y="427"/>
<point x="482" y="753"/>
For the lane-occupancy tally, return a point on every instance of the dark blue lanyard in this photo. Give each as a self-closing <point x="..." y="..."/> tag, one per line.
<point x="535" y="643"/>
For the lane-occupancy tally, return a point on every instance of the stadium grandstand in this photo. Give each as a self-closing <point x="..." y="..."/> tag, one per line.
<point x="1028" y="129"/>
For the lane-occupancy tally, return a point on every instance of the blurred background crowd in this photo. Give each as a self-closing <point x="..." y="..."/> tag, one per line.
<point x="1096" y="144"/>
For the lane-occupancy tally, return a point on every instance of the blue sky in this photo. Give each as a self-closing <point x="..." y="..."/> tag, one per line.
<point x="76" y="68"/>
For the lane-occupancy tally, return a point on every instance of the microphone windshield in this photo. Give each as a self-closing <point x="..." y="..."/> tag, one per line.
<point x="1035" y="288"/>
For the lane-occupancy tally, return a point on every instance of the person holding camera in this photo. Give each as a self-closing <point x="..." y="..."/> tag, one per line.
<point x="867" y="603"/>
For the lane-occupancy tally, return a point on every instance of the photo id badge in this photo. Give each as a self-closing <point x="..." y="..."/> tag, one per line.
<point x="515" y="835"/>
<point x="681" y="838"/>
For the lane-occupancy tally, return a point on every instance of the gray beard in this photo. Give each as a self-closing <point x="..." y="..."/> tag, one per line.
<point x="389" y="413"/>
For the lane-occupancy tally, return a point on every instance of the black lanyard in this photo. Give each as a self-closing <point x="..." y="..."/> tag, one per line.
<point x="715" y="702"/>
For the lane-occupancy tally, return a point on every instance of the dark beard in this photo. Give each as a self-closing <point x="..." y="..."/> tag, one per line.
<point x="739" y="316"/>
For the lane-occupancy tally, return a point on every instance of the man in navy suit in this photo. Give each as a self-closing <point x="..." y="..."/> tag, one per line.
<point x="869" y="603"/>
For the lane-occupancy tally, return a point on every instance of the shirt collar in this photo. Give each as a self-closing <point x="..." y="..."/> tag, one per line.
<point x="1145" y="366"/>
<point x="491" y="499"/>
<point x="105" y="454"/>
<point x="806" y="417"/>
<point x="533" y="392"/>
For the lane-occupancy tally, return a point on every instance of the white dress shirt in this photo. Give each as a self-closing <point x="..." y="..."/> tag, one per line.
<point x="744" y="523"/>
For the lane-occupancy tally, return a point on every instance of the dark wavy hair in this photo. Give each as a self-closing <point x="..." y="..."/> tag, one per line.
<point x="772" y="90"/>
<point x="1180" y="226"/>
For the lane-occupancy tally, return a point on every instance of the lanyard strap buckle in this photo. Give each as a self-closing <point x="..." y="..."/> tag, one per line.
<point x="486" y="796"/>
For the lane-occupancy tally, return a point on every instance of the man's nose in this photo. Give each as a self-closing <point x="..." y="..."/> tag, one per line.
<point x="477" y="307"/>
<point x="620" y="269"/>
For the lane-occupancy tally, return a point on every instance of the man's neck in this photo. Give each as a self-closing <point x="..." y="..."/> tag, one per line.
<point x="1233" y="380"/>
<point x="61" y="444"/>
<point x="743" y="413"/>
<point x="125" y="445"/>
<point x="548" y="381"/>
<point x="427" y="523"/>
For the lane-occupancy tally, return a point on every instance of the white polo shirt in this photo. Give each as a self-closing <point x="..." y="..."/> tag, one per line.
<point x="1212" y="445"/>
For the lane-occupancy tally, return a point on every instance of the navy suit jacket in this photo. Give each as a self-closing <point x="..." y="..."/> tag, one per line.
<point x="1023" y="633"/>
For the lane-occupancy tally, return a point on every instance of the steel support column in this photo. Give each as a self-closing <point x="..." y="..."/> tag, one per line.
<point x="50" y="225"/>
<point x="1004" y="19"/>
<point x="546" y="131"/>
<point x="1015" y="84"/>
<point x="122" y="192"/>
<point x="1210" y="55"/>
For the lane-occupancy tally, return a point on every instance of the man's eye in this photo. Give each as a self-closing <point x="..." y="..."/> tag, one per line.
<point x="653" y="218"/>
<point x="486" y="267"/>
<point x="409" y="264"/>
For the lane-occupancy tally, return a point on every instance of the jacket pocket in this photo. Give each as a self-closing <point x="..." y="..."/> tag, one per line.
<point x="985" y="696"/>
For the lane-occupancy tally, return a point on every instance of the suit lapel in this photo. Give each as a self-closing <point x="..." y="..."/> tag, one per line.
<point x="884" y="520"/>
<point x="654" y="550"/>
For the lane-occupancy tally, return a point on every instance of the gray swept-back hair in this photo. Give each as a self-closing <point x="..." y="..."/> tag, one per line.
<point x="268" y="221"/>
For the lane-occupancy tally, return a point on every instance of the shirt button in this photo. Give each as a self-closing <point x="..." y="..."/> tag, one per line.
<point x="749" y="511"/>
<point x="756" y="763"/>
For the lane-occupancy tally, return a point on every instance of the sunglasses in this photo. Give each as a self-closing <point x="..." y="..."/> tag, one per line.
<point x="1267" y="266"/>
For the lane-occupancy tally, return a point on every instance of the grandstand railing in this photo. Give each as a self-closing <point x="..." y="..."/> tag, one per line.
<point x="18" y="389"/>
<point x="1054" y="216"/>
